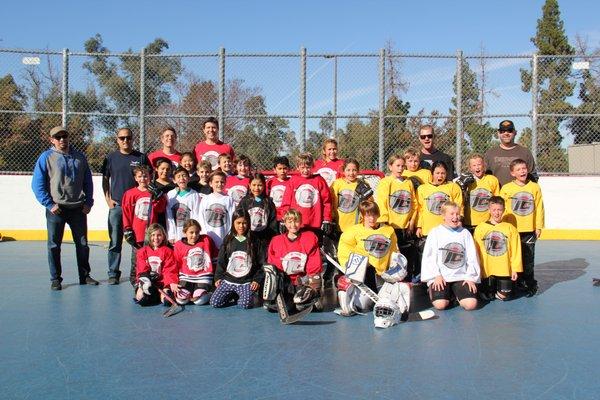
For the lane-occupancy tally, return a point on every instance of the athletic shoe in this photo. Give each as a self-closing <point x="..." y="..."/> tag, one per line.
<point x="532" y="290"/>
<point x="55" y="285"/>
<point x="88" y="281"/>
<point x="113" y="280"/>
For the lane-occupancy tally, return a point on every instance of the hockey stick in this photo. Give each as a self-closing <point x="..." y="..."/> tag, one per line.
<point x="174" y="309"/>
<point x="285" y="316"/>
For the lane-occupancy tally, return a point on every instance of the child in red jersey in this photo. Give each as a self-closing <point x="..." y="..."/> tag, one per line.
<point x="156" y="269"/>
<point x="236" y="186"/>
<point x="309" y="194"/>
<point x="138" y="207"/>
<point x="276" y="186"/>
<point x="195" y="255"/>
<point x="330" y="167"/>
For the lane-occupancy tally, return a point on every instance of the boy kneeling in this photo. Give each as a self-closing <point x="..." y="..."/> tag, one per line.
<point x="450" y="266"/>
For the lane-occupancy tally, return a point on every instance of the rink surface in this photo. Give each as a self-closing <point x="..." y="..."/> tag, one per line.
<point x="94" y="343"/>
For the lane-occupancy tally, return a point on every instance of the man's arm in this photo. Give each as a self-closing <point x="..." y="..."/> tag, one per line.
<point x="39" y="183"/>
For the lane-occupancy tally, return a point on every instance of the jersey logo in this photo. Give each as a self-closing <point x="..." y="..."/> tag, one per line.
<point x="155" y="264"/>
<point x="294" y="262"/>
<point x="239" y="264"/>
<point x="328" y="174"/>
<point x="479" y="198"/>
<point x="400" y="201"/>
<point x="216" y="215"/>
<point x="377" y="245"/>
<point x="258" y="219"/>
<point x="453" y="255"/>
<point x="522" y="203"/>
<point x="495" y="243"/>
<point x="435" y="201"/>
<point x="277" y="194"/>
<point x="142" y="207"/>
<point x="306" y="196"/>
<point x="181" y="212"/>
<point x="347" y="201"/>
<point x="197" y="260"/>
<point x="237" y="192"/>
<point x="212" y="157"/>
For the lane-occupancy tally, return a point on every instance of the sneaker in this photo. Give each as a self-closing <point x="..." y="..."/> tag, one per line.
<point x="55" y="285"/>
<point x="113" y="280"/>
<point x="88" y="281"/>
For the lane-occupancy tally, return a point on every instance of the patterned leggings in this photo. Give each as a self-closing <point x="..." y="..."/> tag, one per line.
<point x="228" y="291"/>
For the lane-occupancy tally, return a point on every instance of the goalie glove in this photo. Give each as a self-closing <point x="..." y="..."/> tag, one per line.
<point x="363" y="190"/>
<point x="144" y="283"/>
<point x="154" y="190"/>
<point x="327" y="228"/>
<point x="464" y="180"/>
<point x="282" y="228"/>
<point x="129" y="237"/>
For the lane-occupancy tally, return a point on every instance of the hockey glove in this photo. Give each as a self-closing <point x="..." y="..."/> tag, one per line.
<point x="327" y="228"/>
<point x="145" y="284"/>
<point x="129" y="236"/>
<point x="363" y="190"/>
<point x="282" y="228"/>
<point x="154" y="190"/>
<point x="464" y="180"/>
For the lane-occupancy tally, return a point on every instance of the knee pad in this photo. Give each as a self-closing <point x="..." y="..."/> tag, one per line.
<point x="343" y="283"/>
<point x="270" y="285"/>
<point x="201" y="297"/>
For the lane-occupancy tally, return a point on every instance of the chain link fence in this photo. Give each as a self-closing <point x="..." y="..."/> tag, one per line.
<point x="274" y="104"/>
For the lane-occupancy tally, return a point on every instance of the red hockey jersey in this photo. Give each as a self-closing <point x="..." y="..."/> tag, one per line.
<point x="311" y="196"/>
<point x="211" y="152"/>
<point x="159" y="261"/>
<point x="195" y="262"/>
<point x="136" y="205"/>
<point x="298" y="257"/>
<point x="276" y="190"/>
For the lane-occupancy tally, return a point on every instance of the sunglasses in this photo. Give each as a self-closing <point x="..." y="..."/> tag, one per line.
<point x="125" y="138"/>
<point x="506" y="131"/>
<point x="60" y="137"/>
<point x="426" y="136"/>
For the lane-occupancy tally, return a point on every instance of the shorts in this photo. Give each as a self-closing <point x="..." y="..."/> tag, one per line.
<point x="192" y="286"/>
<point x="452" y="289"/>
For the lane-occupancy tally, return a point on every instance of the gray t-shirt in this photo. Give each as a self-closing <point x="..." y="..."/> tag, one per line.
<point x="498" y="160"/>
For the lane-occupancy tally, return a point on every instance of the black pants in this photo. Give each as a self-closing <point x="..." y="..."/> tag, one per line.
<point x="406" y="244"/>
<point x="528" y="240"/>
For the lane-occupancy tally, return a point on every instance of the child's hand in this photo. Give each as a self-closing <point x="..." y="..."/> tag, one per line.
<point x="217" y="283"/>
<point x="174" y="288"/>
<point x="472" y="286"/>
<point x="514" y="276"/>
<point x="439" y="283"/>
<point x="254" y="286"/>
<point x="538" y="232"/>
<point x="419" y="232"/>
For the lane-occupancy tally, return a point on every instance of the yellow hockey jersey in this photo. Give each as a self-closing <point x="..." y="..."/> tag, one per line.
<point x="378" y="244"/>
<point x="430" y="199"/>
<point x="524" y="206"/>
<point x="396" y="199"/>
<point x="345" y="203"/>
<point x="422" y="174"/>
<point x="499" y="249"/>
<point x="476" y="207"/>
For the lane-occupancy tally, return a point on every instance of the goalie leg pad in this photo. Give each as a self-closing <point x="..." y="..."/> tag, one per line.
<point x="305" y="296"/>
<point x="270" y="285"/>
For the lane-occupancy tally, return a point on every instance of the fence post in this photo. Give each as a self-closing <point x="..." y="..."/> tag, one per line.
<point x="381" y="155"/>
<point x="534" y="106"/>
<point x="221" y="92"/>
<point x="142" y="99"/>
<point x="303" y="97"/>
<point x="335" y="73"/>
<point x="459" y="122"/>
<point x="65" y="87"/>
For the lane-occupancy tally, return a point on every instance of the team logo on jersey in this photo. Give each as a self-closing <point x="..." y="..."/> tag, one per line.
<point x="328" y="174"/>
<point x="216" y="215"/>
<point x="294" y="262"/>
<point x="212" y="157"/>
<point x="142" y="208"/>
<point x="453" y="255"/>
<point x="197" y="260"/>
<point x="347" y="200"/>
<point x="377" y="245"/>
<point x="277" y="194"/>
<point x="495" y="243"/>
<point x="181" y="212"/>
<point x="258" y="219"/>
<point x="522" y="203"/>
<point x="306" y="196"/>
<point x="400" y="201"/>
<point x="155" y="264"/>
<point x="239" y="264"/>
<point x="479" y="199"/>
<point x="237" y="192"/>
<point x="435" y="201"/>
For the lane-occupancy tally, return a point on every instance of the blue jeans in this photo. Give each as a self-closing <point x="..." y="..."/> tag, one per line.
<point x="115" y="231"/>
<point x="55" y="224"/>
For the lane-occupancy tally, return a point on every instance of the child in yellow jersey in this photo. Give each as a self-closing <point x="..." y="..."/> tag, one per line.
<point x="478" y="193"/>
<point x="525" y="210"/>
<point x="418" y="175"/>
<point x="499" y="248"/>
<point x="372" y="239"/>
<point x="396" y="198"/>
<point x="347" y="193"/>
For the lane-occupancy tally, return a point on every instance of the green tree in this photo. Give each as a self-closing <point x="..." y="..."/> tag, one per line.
<point x="587" y="129"/>
<point x="554" y="86"/>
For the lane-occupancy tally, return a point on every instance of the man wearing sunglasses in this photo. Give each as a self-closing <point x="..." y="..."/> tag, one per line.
<point x="429" y="153"/>
<point x="498" y="158"/>
<point x="62" y="183"/>
<point x="117" y="177"/>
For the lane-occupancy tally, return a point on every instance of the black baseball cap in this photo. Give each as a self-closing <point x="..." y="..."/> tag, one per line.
<point x="506" y="125"/>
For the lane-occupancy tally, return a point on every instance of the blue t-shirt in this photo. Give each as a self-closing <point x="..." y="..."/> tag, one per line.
<point x="118" y="167"/>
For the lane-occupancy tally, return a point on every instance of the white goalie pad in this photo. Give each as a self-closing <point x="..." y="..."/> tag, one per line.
<point x="397" y="270"/>
<point x="353" y="301"/>
<point x="356" y="267"/>
<point x="394" y="300"/>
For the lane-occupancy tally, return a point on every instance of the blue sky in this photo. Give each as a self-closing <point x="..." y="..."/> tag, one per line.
<point x="503" y="27"/>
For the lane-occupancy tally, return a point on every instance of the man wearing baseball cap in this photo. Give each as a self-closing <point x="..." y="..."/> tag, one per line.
<point x="62" y="183"/>
<point x="498" y="158"/>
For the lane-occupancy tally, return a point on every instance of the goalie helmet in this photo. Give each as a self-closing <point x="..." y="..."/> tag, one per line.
<point x="394" y="300"/>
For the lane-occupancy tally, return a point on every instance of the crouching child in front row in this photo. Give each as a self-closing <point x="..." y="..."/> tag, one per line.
<point x="450" y="266"/>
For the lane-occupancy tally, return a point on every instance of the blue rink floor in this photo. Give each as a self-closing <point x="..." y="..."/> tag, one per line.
<point x="90" y="342"/>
